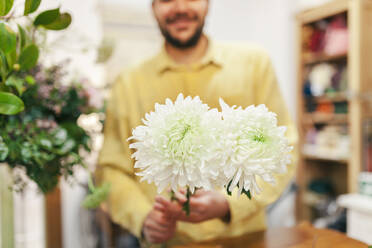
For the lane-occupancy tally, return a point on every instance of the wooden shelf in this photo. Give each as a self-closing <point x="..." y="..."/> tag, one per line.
<point x="327" y="10"/>
<point x="324" y="159"/>
<point x="321" y="58"/>
<point x="319" y="118"/>
<point x="358" y="13"/>
<point x="336" y="97"/>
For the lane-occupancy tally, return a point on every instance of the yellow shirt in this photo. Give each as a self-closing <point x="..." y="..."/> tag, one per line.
<point x="242" y="75"/>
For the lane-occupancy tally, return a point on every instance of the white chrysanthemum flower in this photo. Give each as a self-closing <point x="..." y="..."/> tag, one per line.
<point x="257" y="147"/>
<point x="179" y="145"/>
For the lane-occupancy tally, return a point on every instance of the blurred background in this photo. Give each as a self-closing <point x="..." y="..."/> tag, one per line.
<point x="321" y="53"/>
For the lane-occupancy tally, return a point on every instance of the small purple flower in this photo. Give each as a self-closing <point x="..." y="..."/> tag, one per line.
<point x="95" y="98"/>
<point x="39" y="76"/>
<point x="57" y="109"/>
<point x="45" y="90"/>
<point x="46" y="124"/>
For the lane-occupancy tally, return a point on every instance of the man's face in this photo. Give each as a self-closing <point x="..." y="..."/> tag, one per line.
<point x="181" y="21"/>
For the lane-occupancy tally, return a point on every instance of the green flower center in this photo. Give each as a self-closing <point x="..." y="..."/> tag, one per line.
<point x="180" y="138"/>
<point x="186" y="129"/>
<point x="259" y="138"/>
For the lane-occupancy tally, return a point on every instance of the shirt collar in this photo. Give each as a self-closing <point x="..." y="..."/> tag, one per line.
<point x="213" y="56"/>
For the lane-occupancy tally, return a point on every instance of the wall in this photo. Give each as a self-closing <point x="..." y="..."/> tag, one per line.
<point x="267" y="22"/>
<point x="270" y="23"/>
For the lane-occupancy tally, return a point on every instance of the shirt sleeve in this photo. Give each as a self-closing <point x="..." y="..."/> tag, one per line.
<point x="127" y="203"/>
<point x="267" y="92"/>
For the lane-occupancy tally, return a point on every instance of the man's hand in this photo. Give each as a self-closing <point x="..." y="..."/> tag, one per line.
<point x="158" y="228"/>
<point x="204" y="205"/>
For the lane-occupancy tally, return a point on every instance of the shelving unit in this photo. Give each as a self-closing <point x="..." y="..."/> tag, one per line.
<point x="340" y="172"/>
<point x="319" y="58"/>
<point x="336" y="97"/>
<point x="323" y="159"/>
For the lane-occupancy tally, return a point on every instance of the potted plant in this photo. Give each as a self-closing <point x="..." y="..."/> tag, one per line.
<point x="38" y="113"/>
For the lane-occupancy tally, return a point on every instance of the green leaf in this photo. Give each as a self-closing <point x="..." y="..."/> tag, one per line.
<point x="31" y="6"/>
<point x="47" y="17"/>
<point x="37" y="157"/>
<point x="47" y="156"/>
<point x="60" y="136"/>
<point x="8" y="39"/>
<point x="227" y="188"/>
<point x="29" y="57"/>
<point x="45" y="143"/>
<point x="62" y="22"/>
<point x="15" y="82"/>
<point x="66" y="147"/>
<point x="73" y="130"/>
<point x="97" y="196"/>
<point x="3" y="66"/>
<point x="11" y="58"/>
<point x="26" y="151"/>
<point x="22" y="36"/>
<point x="4" y="150"/>
<point x="10" y="104"/>
<point x="30" y="80"/>
<point x="245" y="192"/>
<point x="5" y="6"/>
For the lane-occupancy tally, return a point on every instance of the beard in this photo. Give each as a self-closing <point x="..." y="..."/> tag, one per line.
<point x="191" y="42"/>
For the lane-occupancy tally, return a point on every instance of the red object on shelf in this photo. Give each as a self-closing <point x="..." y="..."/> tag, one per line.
<point x="316" y="41"/>
<point x="326" y="108"/>
<point x="336" y="36"/>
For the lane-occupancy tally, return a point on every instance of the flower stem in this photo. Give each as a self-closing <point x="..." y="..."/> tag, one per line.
<point x="173" y="196"/>
<point x="186" y="205"/>
<point x="90" y="184"/>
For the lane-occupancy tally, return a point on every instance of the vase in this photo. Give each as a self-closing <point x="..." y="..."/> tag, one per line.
<point x="6" y="207"/>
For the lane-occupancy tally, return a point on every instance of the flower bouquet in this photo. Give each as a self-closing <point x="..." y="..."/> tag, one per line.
<point x="186" y="144"/>
<point x="45" y="138"/>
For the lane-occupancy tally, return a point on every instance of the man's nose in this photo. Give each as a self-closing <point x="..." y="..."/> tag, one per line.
<point x="181" y="5"/>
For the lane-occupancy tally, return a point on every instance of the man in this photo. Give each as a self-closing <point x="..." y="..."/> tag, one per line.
<point x="192" y="64"/>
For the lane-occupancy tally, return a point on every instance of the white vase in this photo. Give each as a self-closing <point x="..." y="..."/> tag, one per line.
<point x="6" y="208"/>
<point x="22" y="217"/>
<point x="29" y="214"/>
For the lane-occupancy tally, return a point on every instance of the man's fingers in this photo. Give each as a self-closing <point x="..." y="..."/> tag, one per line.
<point x="158" y="231"/>
<point x="200" y="192"/>
<point x="160" y="219"/>
<point x="181" y="198"/>
<point x="173" y="210"/>
<point x="157" y="227"/>
<point x="164" y="206"/>
<point x="182" y="191"/>
<point x="159" y="207"/>
<point x="192" y="217"/>
<point x="161" y="200"/>
<point x="157" y="237"/>
<point x="170" y="209"/>
<point x="164" y="220"/>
